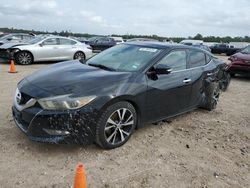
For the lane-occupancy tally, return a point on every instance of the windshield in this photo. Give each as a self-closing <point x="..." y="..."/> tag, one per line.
<point x="128" y="58"/>
<point x="246" y="50"/>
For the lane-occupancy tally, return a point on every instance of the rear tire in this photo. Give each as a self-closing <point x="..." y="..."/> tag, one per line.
<point x="116" y="125"/>
<point x="212" y="96"/>
<point x="24" y="58"/>
<point x="224" y="83"/>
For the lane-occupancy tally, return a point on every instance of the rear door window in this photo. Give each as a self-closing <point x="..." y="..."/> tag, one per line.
<point x="196" y="59"/>
<point x="66" y="42"/>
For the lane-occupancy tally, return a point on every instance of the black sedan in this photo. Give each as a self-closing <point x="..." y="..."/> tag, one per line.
<point x="105" y="98"/>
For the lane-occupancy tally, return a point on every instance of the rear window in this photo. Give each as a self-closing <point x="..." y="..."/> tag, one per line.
<point x="196" y="59"/>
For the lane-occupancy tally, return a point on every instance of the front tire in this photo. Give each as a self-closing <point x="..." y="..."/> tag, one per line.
<point x="79" y="55"/>
<point x="116" y="125"/>
<point x="212" y="96"/>
<point x="24" y="58"/>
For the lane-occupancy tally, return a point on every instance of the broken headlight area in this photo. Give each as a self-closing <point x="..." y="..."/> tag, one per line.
<point x="65" y="102"/>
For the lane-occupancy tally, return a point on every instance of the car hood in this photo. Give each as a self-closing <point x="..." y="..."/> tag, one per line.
<point x="11" y="45"/>
<point x="72" y="77"/>
<point x="242" y="56"/>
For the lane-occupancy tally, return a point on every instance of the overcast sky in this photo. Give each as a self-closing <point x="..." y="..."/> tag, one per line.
<point x="162" y="17"/>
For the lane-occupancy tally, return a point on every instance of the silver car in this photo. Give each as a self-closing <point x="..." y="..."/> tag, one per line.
<point x="51" y="48"/>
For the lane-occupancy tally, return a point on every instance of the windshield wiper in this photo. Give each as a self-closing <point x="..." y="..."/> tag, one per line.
<point x="102" y="67"/>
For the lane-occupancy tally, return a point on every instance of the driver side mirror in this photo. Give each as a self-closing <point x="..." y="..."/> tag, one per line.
<point x="41" y="44"/>
<point x="162" y="69"/>
<point x="9" y="39"/>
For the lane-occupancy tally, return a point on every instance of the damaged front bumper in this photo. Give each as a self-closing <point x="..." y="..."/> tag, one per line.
<point x="67" y="127"/>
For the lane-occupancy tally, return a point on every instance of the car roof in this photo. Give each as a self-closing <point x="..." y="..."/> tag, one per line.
<point x="54" y="36"/>
<point x="162" y="45"/>
<point x="154" y="44"/>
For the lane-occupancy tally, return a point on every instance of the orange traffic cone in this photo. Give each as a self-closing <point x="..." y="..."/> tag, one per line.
<point x="80" y="177"/>
<point x="12" y="67"/>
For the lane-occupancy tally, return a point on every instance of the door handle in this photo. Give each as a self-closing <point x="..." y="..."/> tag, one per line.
<point x="187" y="80"/>
<point x="210" y="74"/>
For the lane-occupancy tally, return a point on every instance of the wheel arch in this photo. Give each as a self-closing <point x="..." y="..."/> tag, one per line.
<point x="19" y="51"/>
<point x="129" y="99"/>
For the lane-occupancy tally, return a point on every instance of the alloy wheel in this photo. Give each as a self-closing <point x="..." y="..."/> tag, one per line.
<point x="119" y="126"/>
<point x="24" y="58"/>
<point x="79" y="55"/>
<point x="216" y="96"/>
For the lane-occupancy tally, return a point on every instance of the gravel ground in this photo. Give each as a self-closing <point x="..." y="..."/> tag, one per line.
<point x="198" y="149"/>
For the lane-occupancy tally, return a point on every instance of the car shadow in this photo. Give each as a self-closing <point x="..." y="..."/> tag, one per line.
<point x="242" y="77"/>
<point x="39" y="147"/>
<point x="6" y="61"/>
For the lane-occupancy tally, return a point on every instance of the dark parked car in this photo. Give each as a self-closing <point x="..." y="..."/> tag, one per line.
<point x="105" y="98"/>
<point x="100" y="43"/>
<point x="240" y="62"/>
<point x="224" y="48"/>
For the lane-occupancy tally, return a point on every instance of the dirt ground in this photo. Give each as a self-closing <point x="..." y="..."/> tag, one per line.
<point x="198" y="149"/>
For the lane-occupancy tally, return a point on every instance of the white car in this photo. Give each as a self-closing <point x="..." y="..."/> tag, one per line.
<point x="118" y="40"/>
<point x="50" y="48"/>
<point x="192" y="42"/>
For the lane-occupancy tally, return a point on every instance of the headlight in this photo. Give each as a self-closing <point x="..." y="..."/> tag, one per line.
<point x="14" y="50"/>
<point x="65" y="102"/>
